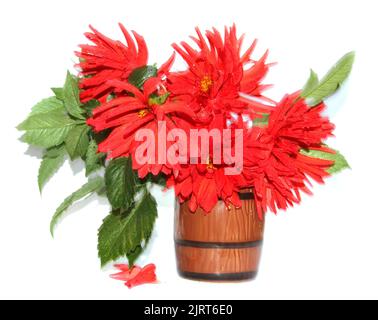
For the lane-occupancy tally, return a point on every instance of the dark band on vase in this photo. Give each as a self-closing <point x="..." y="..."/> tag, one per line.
<point x="218" y="245"/>
<point x="240" y="276"/>
<point x="246" y="195"/>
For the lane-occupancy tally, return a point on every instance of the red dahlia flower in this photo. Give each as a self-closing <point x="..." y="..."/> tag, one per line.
<point x="135" y="109"/>
<point x="108" y="60"/>
<point x="274" y="164"/>
<point x="218" y="78"/>
<point x="296" y="125"/>
<point x="203" y="186"/>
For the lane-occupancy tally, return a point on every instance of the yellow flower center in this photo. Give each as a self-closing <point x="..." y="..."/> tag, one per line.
<point x="143" y="113"/>
<point x="206" y="84"/>
<point x="210" y="165"/>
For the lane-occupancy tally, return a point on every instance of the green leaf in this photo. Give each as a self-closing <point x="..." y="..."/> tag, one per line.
<point x="120" y="183"/>
<point x="47" y="105"/>
<point x="77" y="141"/>
<point x="261" y="122"/>
<point x="89" y="188"/>
<point x="331" y="82"/>
<point x="121" y="235"/>
<point x="53" y="119"/>
<point x="54" y="151"/>
<point x="71" y="97"/>
<point x="51" y="162"/>
<point x="90" y="105"/>
<point x="134" y="255"/>
<point x="110" y="97"/>
<point x="101" y="136"/>
<point x="93" y="160"/>
<point x="160" y="180"/>
<point x="46" y="129"/>
<point x="59" y="93"/>
<point x="340" y="161"/>
<point x="140" y="75"/>
<point x="158" y="100"/>
<point x="311" y="83"/>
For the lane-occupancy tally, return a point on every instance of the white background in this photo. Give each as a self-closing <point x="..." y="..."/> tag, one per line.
<point x="325" y="248"/>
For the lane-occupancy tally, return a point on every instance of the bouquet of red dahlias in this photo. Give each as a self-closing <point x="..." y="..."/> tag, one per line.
<point x="210" y="132"/>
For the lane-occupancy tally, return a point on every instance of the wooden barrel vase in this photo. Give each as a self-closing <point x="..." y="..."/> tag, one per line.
<point x="224" y="245"/>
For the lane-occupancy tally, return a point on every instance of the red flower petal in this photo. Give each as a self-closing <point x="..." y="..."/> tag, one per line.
<point x="136" y="276"/>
